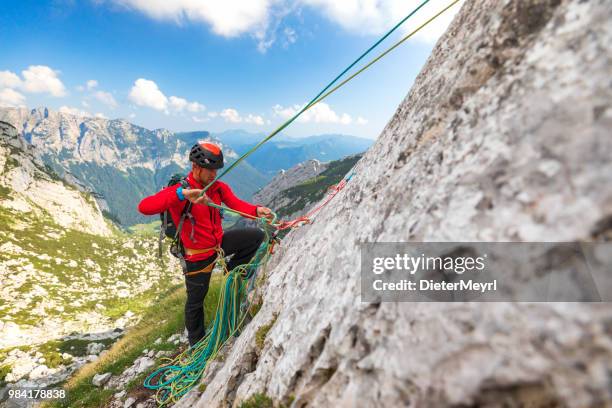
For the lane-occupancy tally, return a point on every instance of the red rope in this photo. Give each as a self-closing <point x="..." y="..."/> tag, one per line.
<point x="305" y="219"/>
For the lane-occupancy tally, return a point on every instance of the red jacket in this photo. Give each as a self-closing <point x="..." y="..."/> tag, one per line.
<point x="208" y="231"/>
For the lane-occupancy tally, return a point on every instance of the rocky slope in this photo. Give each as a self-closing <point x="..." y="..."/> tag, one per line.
<point x="27" y="186"/>
<point x="289" y="178"/>
<point x="505" y="136"/>
<point x="71" y="282"/>
<point x="119" y="161"/>
<point x="294" y="192"/>
<point x="301" y="197"/>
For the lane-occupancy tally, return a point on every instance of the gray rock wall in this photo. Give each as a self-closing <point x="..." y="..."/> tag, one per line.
<point x="505" y="136"/>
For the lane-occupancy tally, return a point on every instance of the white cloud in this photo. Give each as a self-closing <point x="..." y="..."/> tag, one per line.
<point x="254" y="119"/>
<point x="178" y="103"/>
<point x="199" y="120"/>
<point x="9" y="79"/>
<point x="361" y="121"/>
<point x="227" y="18"/>
<point x="146" y="93"/>
<point x="213" y="114"/>
<point x="11" y="98"/>
<point x="375" y="17"/>
<point x="290" y="36"/>
<point x="106" y="98"/>
<point x="320" y="113"/>
<point x="232" y="116"/>
<point x="42" y="79"/>
<point x="74" y="111"/>
<point x="100" y="115"/>
<point x="262" y="18"/>
<point x="91" y="84"/>
<point x="195" y="107"/>
<point x="181" y="104"/>
<point x="35" y="79"/>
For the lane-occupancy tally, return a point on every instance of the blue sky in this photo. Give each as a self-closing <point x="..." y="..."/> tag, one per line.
<point x="209" y="64"/>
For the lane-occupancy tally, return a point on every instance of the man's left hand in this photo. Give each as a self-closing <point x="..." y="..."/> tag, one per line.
<point x="265" y="212"/>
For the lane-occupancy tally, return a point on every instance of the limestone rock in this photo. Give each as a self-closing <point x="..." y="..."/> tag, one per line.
<point x="139" y="366"/>
<point x="100" y="379"/>
<point x="129" y="402"/>
<point x="95" y="348"/>
<point x="505" y="136"/>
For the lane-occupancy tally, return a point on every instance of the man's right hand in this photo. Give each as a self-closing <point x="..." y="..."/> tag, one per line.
<point x="193" y="195"/>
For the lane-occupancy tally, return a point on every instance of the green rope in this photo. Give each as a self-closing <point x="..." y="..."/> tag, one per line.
<point x="318" y="98"/>
<point x="184" y="372"/>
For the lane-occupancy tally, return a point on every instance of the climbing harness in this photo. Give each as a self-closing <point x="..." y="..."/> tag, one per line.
<point x="182" y="373"/>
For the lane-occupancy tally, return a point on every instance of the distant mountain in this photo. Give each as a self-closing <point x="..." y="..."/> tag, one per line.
<point x="302" y="196"/>
<point x="284" y="152"/>
<point x="29" y="189"/>
<point x="117" y="160"/>
<point x="239" y="137"/>
<point x="285" y="179"/>
<point x="295" y="191"/>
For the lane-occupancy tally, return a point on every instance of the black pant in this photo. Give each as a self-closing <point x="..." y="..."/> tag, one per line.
<point x="242" y="243"/>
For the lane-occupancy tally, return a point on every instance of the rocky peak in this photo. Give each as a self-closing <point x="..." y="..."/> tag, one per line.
<point x="10" y="137"/>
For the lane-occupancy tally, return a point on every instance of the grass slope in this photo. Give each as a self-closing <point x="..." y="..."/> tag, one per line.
<point x="162" y="319"/>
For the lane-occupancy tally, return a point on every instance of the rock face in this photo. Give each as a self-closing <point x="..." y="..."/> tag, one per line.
<point x="505" y="136"/>
<point x="29" y="187"/>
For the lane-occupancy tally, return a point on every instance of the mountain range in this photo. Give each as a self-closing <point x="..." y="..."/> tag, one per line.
<point x="283" y="152"/>
<point x="120" y="163"/>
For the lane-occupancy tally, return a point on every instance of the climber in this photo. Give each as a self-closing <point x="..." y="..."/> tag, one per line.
<point x="201" y="237"/>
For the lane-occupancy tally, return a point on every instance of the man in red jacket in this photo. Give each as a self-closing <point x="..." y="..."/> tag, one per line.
<point x="204" y="234"/>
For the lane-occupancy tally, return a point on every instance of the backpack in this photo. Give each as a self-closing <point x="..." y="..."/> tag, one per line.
<point x="168" y="229"/>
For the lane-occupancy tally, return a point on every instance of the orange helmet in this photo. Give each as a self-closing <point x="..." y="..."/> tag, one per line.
<point x="206" y="155"/>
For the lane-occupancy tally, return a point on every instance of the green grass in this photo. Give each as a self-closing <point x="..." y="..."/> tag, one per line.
<point x="262" y="333"/>
<point x="4" y="370"/>
<point x="162" y="319"/>
<point x="255" y="308"/>
<point x="73" y="245"/>
<point x="4" y="192"/>
<point x="258" y="401"/>
<point x="149" y="229"/>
